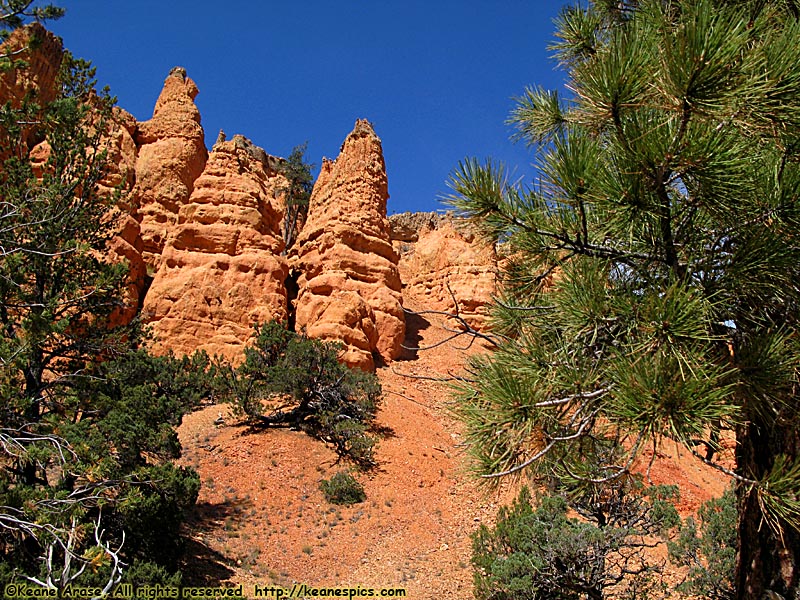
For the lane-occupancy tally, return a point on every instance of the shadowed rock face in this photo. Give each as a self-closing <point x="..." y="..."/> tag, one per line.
<point x="349" y="284"/>
<point x="221" y="269"/>
<point x="127" y="245"/>
<point x="172" y="155"/>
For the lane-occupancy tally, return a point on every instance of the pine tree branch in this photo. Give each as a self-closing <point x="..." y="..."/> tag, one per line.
<point x="572" y="398"/>
<point x="522" y="308"/>
<point x="586" y="422"/>
<point x="16" y="13"/>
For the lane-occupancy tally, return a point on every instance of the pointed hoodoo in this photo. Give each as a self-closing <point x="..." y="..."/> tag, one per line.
<point x="221" y="269"/>
<point x="349" y="287"/>
<point x="172" y="154"/>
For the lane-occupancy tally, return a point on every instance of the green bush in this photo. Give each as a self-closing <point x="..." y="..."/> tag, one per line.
<point x="343" y="488"/>
<point x="535" y="553"/>
<point x="142" y="573"/>
<point x="314" y="391"/>
<point x="708" y="549"/>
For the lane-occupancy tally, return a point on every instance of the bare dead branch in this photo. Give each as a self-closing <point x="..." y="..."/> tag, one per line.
<point x="429" y="378"/>
<point x="409" y="398"/>
<point x="59" y="576"/>
<point x="568" y="399"/>
<point x="464" y="327"/>
<point x="722" y="469"/>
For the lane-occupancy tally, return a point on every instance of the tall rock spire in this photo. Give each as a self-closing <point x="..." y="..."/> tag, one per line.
<point x="349" y="285"/>
<point x="172" y="154"/>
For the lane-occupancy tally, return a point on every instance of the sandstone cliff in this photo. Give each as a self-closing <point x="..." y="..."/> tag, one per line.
<point x="127" y="245"/>
<point x="349" y="284"/>
<point x="443" y="263"/>
<point x="40" y="53"/>
<point x="221" y="269"/>
<point x="172" y="155"/>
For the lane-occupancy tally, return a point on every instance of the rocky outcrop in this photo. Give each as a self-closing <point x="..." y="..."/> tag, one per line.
<point x="204" y="231"/>
<point x="172" y="155"/>
<point x="348" y="284"/>
<point x="122" y="155"/>
<point x="39" y="52"/>
<point x="127" y="246"/>
<point x="441" y="259"/>
<point x="221" y="269"/>
<point x="406" y="227"/>
<point x="35" y="55"/>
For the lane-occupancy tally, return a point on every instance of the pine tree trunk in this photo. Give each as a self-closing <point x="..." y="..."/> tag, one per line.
<point x="764" y="564"/>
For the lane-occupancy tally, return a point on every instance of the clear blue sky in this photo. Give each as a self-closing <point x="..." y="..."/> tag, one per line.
<point x="435" y="77"/>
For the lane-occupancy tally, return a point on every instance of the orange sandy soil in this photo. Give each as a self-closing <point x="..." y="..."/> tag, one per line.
<point x="262" y="519"/>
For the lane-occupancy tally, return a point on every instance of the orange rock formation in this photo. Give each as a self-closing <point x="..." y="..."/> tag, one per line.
<point x="172" y="155"/>
<point x="40" y="53"/>
<point x="349" y="285"/>
<point x="127" y="245"/>
<point x="208" y="227"/>
<point x="221" y="269"/>
<point x="446" y="262"/>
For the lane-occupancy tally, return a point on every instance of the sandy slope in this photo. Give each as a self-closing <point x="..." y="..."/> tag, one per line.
<point x="262" y="519"/>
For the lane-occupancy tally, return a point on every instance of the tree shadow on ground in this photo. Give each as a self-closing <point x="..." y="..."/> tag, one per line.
<point x="381" y="430"/>
<point x="202" y="565"/>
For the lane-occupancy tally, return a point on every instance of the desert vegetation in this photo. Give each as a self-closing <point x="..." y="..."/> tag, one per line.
<point x="288" y="379"/>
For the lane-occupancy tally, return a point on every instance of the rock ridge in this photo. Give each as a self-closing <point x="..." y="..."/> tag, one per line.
<point x="444" y="263"/>
<point x="202" y="235"/>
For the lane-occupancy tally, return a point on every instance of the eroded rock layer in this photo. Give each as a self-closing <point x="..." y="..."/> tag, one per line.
<point x="443" y="262"/>
<point x="39" y="52"/>
<point x="36" y="54"/>
<point x="349" y="284"/>
<point x="172" y="155"/>
<point x="221" y="269"/>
